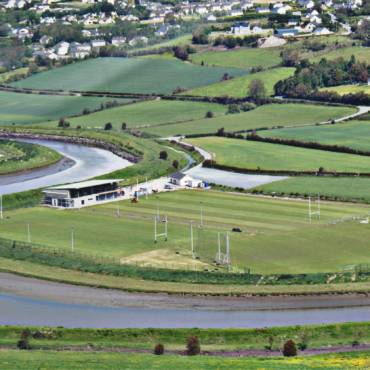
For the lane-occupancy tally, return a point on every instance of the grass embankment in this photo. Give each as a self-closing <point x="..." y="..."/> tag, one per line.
<point x="238" y="87"/>
<point x="16" y="156"/>
<point x="353" y="134"/>
<point x="11" y="359"/>
<point x="239" y="58"/>
<point x="131" y="75"/>
<point x="256" y="156"/>
<point x="143" y="114"/>
<point x="313" y="336"/>
<point x="362" y="54"/>
<point x="17" y="108"/>
<point x="271" y="231"/>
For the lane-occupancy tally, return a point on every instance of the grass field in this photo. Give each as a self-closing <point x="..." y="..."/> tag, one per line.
<point x="265" y="116"/>
<point x="5" y="75"/>
<point x="16" y="156"/>
<point x="272" y="231"/>
<point x="348" y="89"/>
<point x="31" y="108"/>
<point x="362" y="54"/>
<point x="239" y="58"/>
<point x="257" y="155"/>
<point x="238" y="87"/>
<point x="149" y="113"/>
<point x="342" y="188"/>
<point x="353" y="134"/>
<point x="11" y="359"/>
<point x="131" y="75"/>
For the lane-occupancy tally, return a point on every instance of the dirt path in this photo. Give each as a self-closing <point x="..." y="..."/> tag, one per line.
<point x="73" y="294"/>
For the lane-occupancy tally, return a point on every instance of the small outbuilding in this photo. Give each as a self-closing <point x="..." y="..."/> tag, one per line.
<point x="182" y="179"/>
<point x="83" y="194"/>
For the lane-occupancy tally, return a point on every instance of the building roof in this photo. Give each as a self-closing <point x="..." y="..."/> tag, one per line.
<point x="83" y="184"/>
<point x="178" y="175"/>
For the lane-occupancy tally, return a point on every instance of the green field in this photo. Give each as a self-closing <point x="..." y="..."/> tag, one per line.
<point x="348" y="89"/>
<point x="11" y="359"/>
<point x="239" y="58"/>
<point x="15" y="156"/>
<point x="362" y="54"/>
<point x="31" y="108"/>
<point x="276" y="237"/>
<point x="238" y="87"/>
<point x="355" y="189"/>
<point x="265" y="116"/>
<point x="149" y="113"/>
<point x="272" y="157"/>
<point x="131" y="75"/>
<point x="353" y="134"/>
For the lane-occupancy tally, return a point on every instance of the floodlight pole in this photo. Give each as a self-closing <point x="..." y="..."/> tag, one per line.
<point x="228" y="249"/>
<point x="146" y="186"/>
<point x="72" y="239"/>
<point x="201" y="214"/>
<point x="157" y="208"/>
<point x="1" y="207"/>
<point x="191" y="239"/>
<point x="28" y="233"/>
<point x="137" y="188"/>
<point x="219" y="248"/>
<point x="318" y="206"/>
<point x="309" y="209"/>
<point x="155" y="229"/>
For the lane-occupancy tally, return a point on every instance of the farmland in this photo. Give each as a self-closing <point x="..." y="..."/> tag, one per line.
<point x="348" y="89"/>
<point x="272" y="229"/>
<point x="356" y="189"/>
<point x="353" y="134"/>
<point x="238" y="87"/>
<point x="264" y="156"/>
<point x="147" y="114"/>
<point x="31" y="108"/>
<point x="16" y="156"/>
<point x="130" y="75"/>
<point x="264" y="116"/>
<point x="240" y="58"/>
<point x="362" y="54"/>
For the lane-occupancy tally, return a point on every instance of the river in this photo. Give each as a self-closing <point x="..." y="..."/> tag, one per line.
<point x="83" y="163"/>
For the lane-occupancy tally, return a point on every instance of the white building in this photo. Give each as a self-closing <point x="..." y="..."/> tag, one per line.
<point x="98" y="43"/>
<point x="242" y="28"/>
<point x="83" y="194"/>
<point x="118" y="40"/>
<point x="61" y="48"/>
<point x="182" y="179"/>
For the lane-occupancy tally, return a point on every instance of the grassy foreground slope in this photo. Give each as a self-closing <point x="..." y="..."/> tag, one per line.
<point x="148" y="113"/>
<point x="272" y="231"/>
<point x="269" y="115"/>
<point x="82" y="360"/>
<point x="256" y="155"/>
<point x="239" y="58"/>
<point x="353" y="134"/>
<point x="130" y="75"/>
<point x="30" y="108"/>
<point x="15" y="156"/>
<point x="238" y="87"/>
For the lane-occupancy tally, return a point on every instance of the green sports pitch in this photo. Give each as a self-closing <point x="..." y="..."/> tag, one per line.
<point x="276" y="234"/>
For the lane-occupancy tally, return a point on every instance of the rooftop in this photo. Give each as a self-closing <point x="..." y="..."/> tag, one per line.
<point x="84" y="184"/>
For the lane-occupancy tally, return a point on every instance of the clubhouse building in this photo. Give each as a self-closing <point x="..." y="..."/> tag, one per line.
<point x="83" y="194"/>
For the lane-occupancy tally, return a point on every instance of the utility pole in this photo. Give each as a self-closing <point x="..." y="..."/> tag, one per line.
<point x="192" y="239"/>
<point x="28" y="233"/>
<point x="72" y="239"/>
<point x="201" y="214"/>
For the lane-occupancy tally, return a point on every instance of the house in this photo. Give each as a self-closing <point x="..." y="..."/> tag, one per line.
<point x="242" y="28"/>
<point x="80" y="51"/>
<point x="182" y="179"/>
<point x="97" y="43"/>
<point x="211" y="18"/>
<point x="46" y="40"/>
<point x="322" y="31"/>
<point x="61" y="48"/>
<point x="162" y="30"/>
<point x="270" y="42"/>
<point x="292" y="22"/>
<point x="262" y="10"/>
<point x="83" y="194"/>
<point x="143" y="40"/>
<point x="245" y="5"/>
<point x="287" y="32"/>
<point x="118" y="41"/>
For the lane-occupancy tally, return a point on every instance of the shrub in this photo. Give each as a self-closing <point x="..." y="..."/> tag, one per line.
<point x="209" y="114"/>
<point x="159" y="349"/>
<point x="108" y="126"/>
<point x="232" y="109"/>
<point x="23" y="342"/>
<point x="175" y="164"/>
<point x="124" y="126"/>
<point x="289" y="349"/>
<point x="193" y="346"/>
<point x="163" y="155"/>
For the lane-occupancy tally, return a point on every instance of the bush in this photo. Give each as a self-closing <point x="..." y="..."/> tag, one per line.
<point x="163" y="155"/>
<point x="175" y="164"/>
<point x="124" y="126"/>
<point x="209" y="114"/>
<point x="232" y="109"/>
<point x="108" y="126"/>
<point x="289" y="349"/>
<point x="23" y="342"/>
<point x="193" y="346"/>
<point x="159" y="349"/>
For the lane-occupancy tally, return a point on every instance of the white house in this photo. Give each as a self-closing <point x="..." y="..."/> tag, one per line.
<point x="97" y="43"/>
<point x="80" y="51"/>
<point x="61" y="48"/>
<point x="242" y="28"/>
<point x="83" y="194"/>
<point x="322" y="31"/>
<point x="118" y="40"/>
<point x="182" y="179"/>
